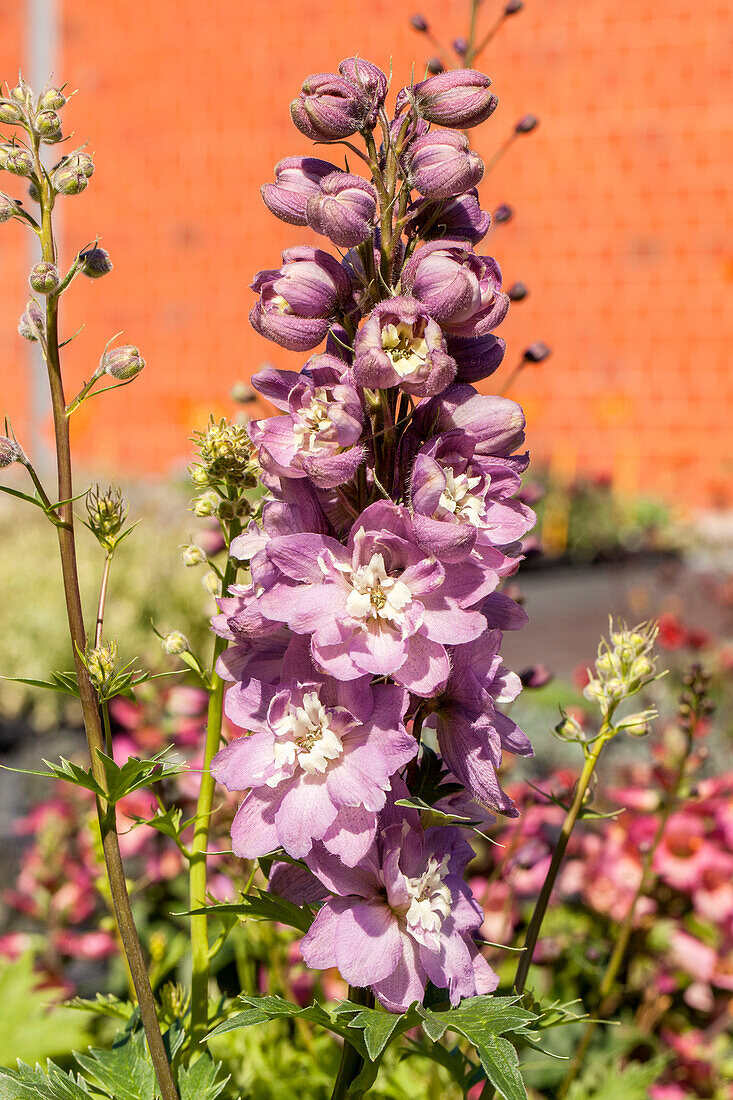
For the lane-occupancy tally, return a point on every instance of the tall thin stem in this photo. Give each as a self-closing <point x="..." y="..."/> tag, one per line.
<point x="351" y="1061"/>
<point x="200" y="957"/>
<point x="540" y="909"/>
<point x="621" y="946"/>
<point x="87" y="693"/>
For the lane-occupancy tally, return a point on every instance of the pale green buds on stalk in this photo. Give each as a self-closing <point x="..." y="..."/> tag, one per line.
<point x="122" y="363"/>
<point x="94" y="263"/>
<point x="21" y="93"/>
<point x="10" y="114"/>
<point x="226" y="454"/>
<point x="175" y="643"/>
<point x="8" y="207"/>
<point x="52" y="100"/>
<point x="623" y="667"/>
<point x="72" y="175"/>
<point x="206" y="505"/>
<point x="101" y="663"/>
<point x="16" y="159"/>
<point x="212" y="583"/>
<point x="44" y="278"/>
<point x="107" y="512"/>
<point x="193" y="555"/>
<point x="569" y="728"/>
<point x="47" y="124"/>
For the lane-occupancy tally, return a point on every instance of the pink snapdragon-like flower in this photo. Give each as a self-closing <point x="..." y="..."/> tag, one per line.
<point x="316" y="764"/>
<point x="462" y="499"/>
<point x="318" y="434"/>
<point x="472" y="731"/>
<point x="298" y="301"/>
<point x="377" y="605"/>
<point x="400" y="344"/>
<point x="402" y="918"/>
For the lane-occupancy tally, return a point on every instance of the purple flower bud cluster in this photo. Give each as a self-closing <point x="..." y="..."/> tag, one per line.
<point x="367" y="638"/>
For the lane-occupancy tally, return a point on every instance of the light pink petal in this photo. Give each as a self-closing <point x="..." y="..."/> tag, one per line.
<point x="246" y="704"/>
<point x="253" y="829"/>
<point x="450" y="625"/>
<point x="335" y="660"/>
<point x="368" y="944"/>
<point x="361" y="881"/>
<point x="406" y="983"/>
<point x="351" y="835"/>
<point x="244" y="762"/>
<point x="304" y="815"/>
<point x="450" y="966"/>
<point x="318" y="946"/>
<point x="380" y="652"/>
<point x="426" y="669"/>
<point x="348" y="786"/>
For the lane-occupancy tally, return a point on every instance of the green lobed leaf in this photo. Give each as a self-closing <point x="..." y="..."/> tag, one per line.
<point x="134" y="774"/>
<point x="25" y="1083"/>
<point x="263" y="905"/>
<point x="199" y="1082"/>
<point x="125" y="1071"/>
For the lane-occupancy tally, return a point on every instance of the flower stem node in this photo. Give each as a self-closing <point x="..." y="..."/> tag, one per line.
<point x="44" y="278"/>
<point x="123" y="363"/>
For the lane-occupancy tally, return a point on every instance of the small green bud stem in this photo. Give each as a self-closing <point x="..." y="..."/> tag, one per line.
<point x="200" y="951"/>
<point x="605" y="734"/>
<point x="618" y="954"/>
<point x="87" y="694"/>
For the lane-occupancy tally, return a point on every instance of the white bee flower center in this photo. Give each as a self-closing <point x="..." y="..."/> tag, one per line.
<point x="313" y="428"/>
<point x="430" y="900"/>
<point x="375" y="595"/>
<point x="305" y="737"/>
<point x="458" y="500"/>
<point x="407" y="351"/>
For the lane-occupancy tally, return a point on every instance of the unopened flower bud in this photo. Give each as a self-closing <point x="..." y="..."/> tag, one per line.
<point x="442" y="165"/>
<point x="435" y="66"/>
<point x="517" y="292"/>
<point x="344" y="209"/>
<point x="460" y="45"/>
<point x="296" y="180"/>
<point x="15" y="159"/>
<point x="513" y="7"/>
<point x="419" y="23"/>
<point x="226" y="453"/>
<point x="107" y="512"/>
<point x="10" y="113"/>
<point x="503" y="214"/>
<point x="372" y="82"/>
<point x="569" y="729"/>
<point x="47" y="123"/>
<point x="31" y="323"/>
<point x="10" y="452"/>
<point x="536" y="676"/>
<point x="176" y="643"/>
<point x="72" y="175"/>
<point x="329" y="107"/>
<point x="206" y="505"/>
<point x="123" y="363"/>
<point x="536" y="352"/>
<point x="52" y="100"/>
<point x="8" y="207"/>
<point x="21" y="93"/>
<point x="44" y="278"/>
<point x="193" y="555"/>
<point x="242" y="393"/>
<point x="101" y="663"/>
<point x="211" y="583"/>
<point x="459" y="98"/>
<point x="95" y="263"/>
<point x="526" y="124"/>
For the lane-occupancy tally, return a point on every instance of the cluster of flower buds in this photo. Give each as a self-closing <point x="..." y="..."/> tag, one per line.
<point x="106" y="515"/>
<point x="101" y="662"/>
<point x="373" y="612"/>
<point x="625" y="664"/>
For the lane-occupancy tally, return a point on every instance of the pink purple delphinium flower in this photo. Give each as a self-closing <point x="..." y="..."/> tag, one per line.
<point x="373" y="607"/>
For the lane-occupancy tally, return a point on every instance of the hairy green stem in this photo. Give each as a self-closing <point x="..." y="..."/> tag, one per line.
<point x="200" y="958"/>
<point x="621" y="946"/>
<point x="530" y="941"/>
<point x="351" y="1061"/>
<point x="87" y="694"/>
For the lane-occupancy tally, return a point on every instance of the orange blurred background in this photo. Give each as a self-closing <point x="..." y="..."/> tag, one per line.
<point x="622" y="228"/>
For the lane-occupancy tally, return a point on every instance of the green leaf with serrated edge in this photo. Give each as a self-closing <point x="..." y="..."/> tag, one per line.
<point x="168" y="823"/>
<point x="68" y="772"/>
<point x="501" y="1066"/>
<point x="135" y="774"/>
<point x="26" y="1083"/>
<point x="454" y="1060"/>
<point x="125" y="1071"/>
<point x="59" y="685"/>
<point x="377" y="1028"/>
<point x="262" y="905"/>
<point x="104" y="1004"/>
<point x="199" y="1082"/>
<point x="431" y="816"/>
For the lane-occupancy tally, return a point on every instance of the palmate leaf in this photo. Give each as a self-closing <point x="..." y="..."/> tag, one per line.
<point x="262" y="905"/>
<point x="25" y="1083"/>
<point x="201" y="1081"/>
<point x="124" y="1072"/>
<point x="134" y="774"/>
